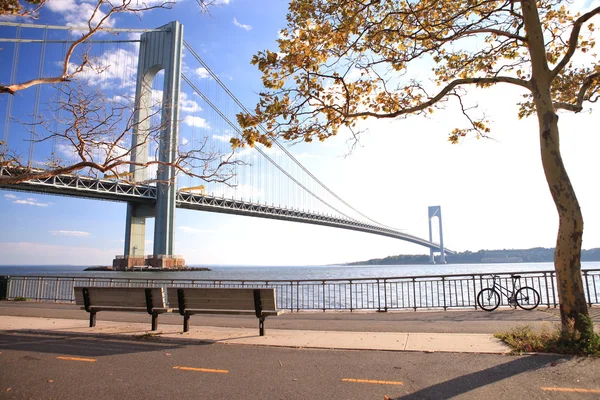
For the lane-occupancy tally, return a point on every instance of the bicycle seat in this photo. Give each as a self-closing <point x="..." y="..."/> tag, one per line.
<point x="517" y="276"/>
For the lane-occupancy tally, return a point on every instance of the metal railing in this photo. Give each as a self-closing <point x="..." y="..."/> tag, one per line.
<point x="376" y="294"/>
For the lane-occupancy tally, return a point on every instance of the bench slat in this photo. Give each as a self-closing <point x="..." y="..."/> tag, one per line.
<point x="225" y="304"/>
<point x="229" y="293"/>
<point x="132" y="309"/>
<point x="121" y="297"/>
<point x="266" y="313"/>
<point x="234" y="298"/>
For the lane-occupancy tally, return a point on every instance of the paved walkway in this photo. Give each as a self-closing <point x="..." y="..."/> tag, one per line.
<point x="392" y="341"/>
<point x="466" y="331"/>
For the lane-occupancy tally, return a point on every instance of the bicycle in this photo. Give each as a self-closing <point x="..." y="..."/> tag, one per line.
<point x="525" y="297"/>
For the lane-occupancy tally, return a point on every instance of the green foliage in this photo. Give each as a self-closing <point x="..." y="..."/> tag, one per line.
<point x="20" y="298"/>
<point x="536" y="254"/>
<point x="563" y="341"/>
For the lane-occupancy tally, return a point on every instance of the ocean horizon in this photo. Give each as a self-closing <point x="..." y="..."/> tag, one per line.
<point x="289" y="272"/>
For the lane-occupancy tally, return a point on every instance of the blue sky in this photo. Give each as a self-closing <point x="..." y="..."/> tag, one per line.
<point x="492" y="192"/>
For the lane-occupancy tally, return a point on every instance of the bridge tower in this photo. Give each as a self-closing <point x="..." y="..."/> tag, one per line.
<point x="436" y="211"/>
<point x="159" y="50"/>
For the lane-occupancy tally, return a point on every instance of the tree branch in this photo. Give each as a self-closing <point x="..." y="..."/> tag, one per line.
<point x="573" y="40"/>
<point x="445" y="91"/>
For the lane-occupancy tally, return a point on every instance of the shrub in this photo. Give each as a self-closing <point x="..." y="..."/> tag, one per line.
<point x="526" y="339"/>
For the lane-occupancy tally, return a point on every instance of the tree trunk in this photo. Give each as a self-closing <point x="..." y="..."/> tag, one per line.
<point x="567" y="255"/>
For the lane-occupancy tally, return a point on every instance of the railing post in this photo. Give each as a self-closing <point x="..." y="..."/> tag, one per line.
<point x="553" y="289"/>
<point x="385" y="307"/>
<point x="56" y="291"/>
<point x="297" y="296"/>
<point x="291" y="296"/>
<point x="351" y="296"/>
<point x="547" y="290"/>
<point x="414" y="294"/>
<point x="378" y="296"/>
<point x="587" y="287"/>
<point x="475" y="292"/>
<point x="323" y="295"/>
<point x="444" y="292"/>
<point x="4" y="287"/>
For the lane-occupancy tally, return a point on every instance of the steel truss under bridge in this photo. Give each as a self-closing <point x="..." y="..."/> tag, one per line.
<point x="114" y="190"/>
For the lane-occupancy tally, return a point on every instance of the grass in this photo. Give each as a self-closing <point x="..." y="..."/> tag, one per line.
<point x="525" y="339"/>
<point x="147" y="336"/>
<point x="20" y="298"/>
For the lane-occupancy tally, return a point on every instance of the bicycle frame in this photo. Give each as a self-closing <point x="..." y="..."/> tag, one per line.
<point x="503" y="290"/>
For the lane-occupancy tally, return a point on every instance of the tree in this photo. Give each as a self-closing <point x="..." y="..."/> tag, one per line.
<point x="19" y="8"/>
<point x="99" y="130"/>
<point x="340" y="61"/>
<point x="95" y="131"/>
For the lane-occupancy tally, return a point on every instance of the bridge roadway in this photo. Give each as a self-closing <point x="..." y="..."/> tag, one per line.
<point x="113" y="190"/>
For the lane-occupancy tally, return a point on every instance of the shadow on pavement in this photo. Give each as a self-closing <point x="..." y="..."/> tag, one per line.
<point x="86" y="345"/>
<point x="466" y="383"/>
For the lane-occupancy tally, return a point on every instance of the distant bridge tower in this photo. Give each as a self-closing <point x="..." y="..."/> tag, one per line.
<point x="436" y="211"/>
<point x="159" y="50"/>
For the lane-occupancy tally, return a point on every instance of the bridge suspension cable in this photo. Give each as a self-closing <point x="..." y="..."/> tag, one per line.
<point x="237" y="130"/>
<point x="241" y="105"/>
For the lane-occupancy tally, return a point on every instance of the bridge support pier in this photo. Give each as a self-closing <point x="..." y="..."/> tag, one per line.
<point x="436" y="211"/>
<point x="159" y="50"/>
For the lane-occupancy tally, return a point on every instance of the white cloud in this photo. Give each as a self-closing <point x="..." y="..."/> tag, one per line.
<point x="202" y="73"/>
<point x="197" y="122"/>
<point x="10" y="196"/>
<point x="70" y="233"/>
<point x="184" y="141"/>
<point x="239" y="25"/>
<point x="189" y="229"/>
<point x="188" y="105"/>
<point x="222" y="138"/>
<point x="60" y="6"/>
<point x="30" y="201"/>
<point x="77" y="14"/>
<point x="221" y="2"/>
<point x="118" y="70"/>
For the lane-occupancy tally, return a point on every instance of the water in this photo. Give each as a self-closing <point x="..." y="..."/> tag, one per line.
<point x="291" y="273"/>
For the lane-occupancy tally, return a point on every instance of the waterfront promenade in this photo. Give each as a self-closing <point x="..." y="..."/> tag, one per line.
<point x="48" y="351"/>
<point x="441" y="330"/>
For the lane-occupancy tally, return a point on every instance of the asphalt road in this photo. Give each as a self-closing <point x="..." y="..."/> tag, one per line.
<point x="70" y="366"/>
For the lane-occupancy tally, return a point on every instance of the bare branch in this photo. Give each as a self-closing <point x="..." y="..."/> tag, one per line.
<point x="442" y="93"/>
<point x="93" y="28"/>
<point x="573" y="40"/>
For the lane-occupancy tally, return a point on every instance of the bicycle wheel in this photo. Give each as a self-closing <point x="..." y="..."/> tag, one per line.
<point x="488" y="299"/>
<point x="527" y="298"/>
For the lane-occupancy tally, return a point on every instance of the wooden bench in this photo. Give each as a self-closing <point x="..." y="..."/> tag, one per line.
<point x="236" y="301"/>
<point x="94" y="299"/>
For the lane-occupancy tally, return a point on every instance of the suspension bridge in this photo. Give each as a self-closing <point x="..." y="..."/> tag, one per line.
<point x="164" y="126"/>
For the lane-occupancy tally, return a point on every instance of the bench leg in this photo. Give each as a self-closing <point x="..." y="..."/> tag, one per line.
<point x="261" y="326"/>
<point x="186" y="322"/>
<point x="154" y="322"/>
<point x="92" y="319"/>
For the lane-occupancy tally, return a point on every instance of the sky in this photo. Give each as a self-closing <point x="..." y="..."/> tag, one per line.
<point x="492" y="192"/>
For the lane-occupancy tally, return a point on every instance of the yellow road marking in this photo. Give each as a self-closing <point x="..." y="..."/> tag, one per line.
<point x="217" y="371"/>
<point x="572" y="390"/>
<point x="77" y="359"/>
<point x="371" y="381"/>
